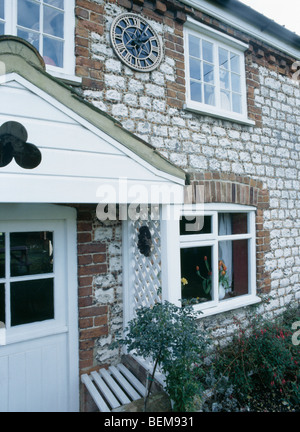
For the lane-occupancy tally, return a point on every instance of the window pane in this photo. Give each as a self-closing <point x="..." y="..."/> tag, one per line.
<point x="2" y="9"/>
<point x="195" y="225"/>
<point x="53" y="22"/>
<point x="207" y="51"/>
<point x="225" y="100"/>
<point x="196" y="273"/>
<point x="2" y="255"/>
<point x="235" y="83"/>
<point x="236" y="103"/>
<point x="2" y="304"/>
<point x="53" y="52"/>
<point x="235" y="63"/>
<point x="196" y="91"/>
<point x="233" y="268"/>
<point x="32" y="301"/>
<point x="223" y="58"/>
<point x="31" y="37"/>
<point x="29" y="14"/>
<point x="31" y="253"/>
<point x="195" y="69"/>
<point x="194" y="46"/>
<point x="1" y="28"/>
<point x="233" y="223"/>
<point x="224" y="79"/>
<point x="209" y="95"/>
<point x="208" y="73"/>
<point x="56" y="3"/>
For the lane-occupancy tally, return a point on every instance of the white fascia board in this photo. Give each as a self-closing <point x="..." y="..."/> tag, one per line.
<point x="67" y="111"/>
<point x="242" y="25"/>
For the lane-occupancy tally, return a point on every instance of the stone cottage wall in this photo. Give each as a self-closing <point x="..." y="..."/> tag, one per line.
<point x="213" y="151"/>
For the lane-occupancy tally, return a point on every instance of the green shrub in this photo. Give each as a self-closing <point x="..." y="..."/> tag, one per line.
<point x="263" y="362"/>
<point x="169" y="336"/>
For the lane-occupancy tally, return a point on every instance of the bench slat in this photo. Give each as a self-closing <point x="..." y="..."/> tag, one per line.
<point x="124" y="383"/>
<point x="105" y="390"/>
<point x="132" y="379"/>
<point x="94" y="393"/>
<point x="114" y="387"/>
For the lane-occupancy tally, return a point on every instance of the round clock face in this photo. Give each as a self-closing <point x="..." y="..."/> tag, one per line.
<point x="135" y="42"/>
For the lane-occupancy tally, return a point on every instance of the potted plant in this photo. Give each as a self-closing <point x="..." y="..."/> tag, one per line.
<point x="224" y="285"/>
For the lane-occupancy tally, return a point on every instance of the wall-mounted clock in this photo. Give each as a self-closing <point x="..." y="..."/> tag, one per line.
<point x="135" y="42"/>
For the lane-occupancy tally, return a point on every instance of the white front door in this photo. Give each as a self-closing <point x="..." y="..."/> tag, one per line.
<point x="38" y="350"/>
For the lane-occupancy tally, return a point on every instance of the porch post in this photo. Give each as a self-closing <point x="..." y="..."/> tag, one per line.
<point x="170" y="254"/>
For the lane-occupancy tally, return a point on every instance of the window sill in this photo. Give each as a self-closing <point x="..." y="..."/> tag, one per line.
<point x="67" y="78"/>
<point x="190" y="106"/>
<point x="228" y="305"/>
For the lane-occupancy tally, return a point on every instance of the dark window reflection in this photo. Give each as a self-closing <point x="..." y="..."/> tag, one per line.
<point x="2" y="303"/>
<point x="32" y="301"/>
<point x="196" y="273"/>
<point x="2" y="255"/>
<point x="195" y="225"/>
<point x="31" y="253"/>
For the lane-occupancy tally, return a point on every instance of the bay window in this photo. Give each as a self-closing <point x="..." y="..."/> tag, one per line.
<point x="217" y="257"/>
<point x="48" y="25"/>
<point x="215" y="72"/>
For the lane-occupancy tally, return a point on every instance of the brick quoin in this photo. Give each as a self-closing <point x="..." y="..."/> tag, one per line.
<point x="92" y="261"/>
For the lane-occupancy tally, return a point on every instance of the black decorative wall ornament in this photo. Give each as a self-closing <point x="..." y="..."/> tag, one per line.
<point x="13" y="144"/>
<point x="145" y="241"/>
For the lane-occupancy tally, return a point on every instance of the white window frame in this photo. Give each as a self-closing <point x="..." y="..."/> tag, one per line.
<point x="221" y="40"/>
<point x="215" y="306"/>
<point x="67" y="72"/>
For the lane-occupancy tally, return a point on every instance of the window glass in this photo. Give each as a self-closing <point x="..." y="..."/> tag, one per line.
<point x="235" y="63"/>
<point x="196" y="91"/>
<point x="233" y="223"/>
<point x="2" y="303"/>
<point x="194" y="46"/>
<point x="207" y="49"/>
<point x="1" y="28"/>
<point x="195" y="225"/>
<point x="55" y="3"/>
<point x="2" y="255"/>
<point x="195" y="69"/>
<point x="31" y="37"/>
<point x="29" y="14"/>
<point x="215" y="75"/>
<point x="53" y="22"/>
<point x="196" y="273"/>
<point x="236" y="103"/>
<point x="233" y="268"/>
<point x="31" y="253"/>
<point x="32" y="301"/>
<point x="53" y="51"/>
<point x="2" y="9"/>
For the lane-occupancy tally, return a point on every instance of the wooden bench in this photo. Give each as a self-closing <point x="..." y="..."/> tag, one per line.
<point x="113" y="388"/>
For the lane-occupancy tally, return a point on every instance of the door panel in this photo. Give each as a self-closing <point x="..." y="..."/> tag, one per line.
<point x="35" y="363"/>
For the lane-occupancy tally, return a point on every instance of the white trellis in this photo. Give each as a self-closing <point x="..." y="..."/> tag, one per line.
<point x="150" y="279"/>
<point x="144" y="273"/>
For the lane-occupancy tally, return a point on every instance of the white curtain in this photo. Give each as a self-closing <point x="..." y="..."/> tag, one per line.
<point x="225" y="247"/>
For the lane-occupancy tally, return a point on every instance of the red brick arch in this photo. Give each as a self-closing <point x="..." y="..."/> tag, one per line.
<point x="235" y="189"/>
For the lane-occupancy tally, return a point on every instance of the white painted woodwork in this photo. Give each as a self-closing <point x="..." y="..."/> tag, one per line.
<point x="113" y="387"/>
<point x="79" y="160"/>
<point x="39" y="363"/>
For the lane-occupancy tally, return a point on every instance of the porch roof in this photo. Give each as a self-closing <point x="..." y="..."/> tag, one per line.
<point x="22" y="67"/>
